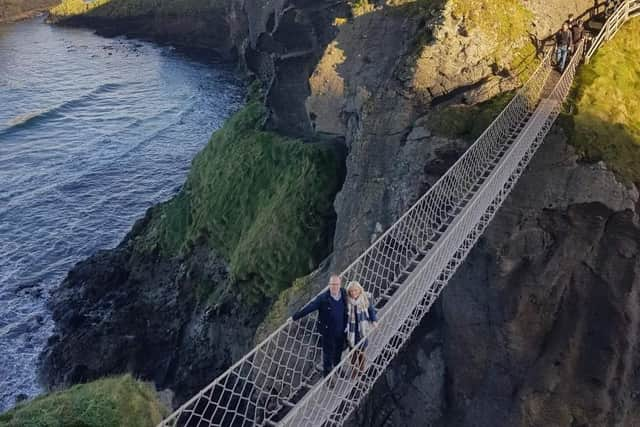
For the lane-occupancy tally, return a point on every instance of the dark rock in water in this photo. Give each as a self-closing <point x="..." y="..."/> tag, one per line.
<point x="208" y="31"/>
<point x="21" y="398"/>
<point x="122" y="311"/>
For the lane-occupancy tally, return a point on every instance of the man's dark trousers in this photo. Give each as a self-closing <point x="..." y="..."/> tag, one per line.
<point x="332" y="347"/>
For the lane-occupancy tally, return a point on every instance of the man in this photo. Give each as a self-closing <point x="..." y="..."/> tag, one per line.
<point x="564" y="41"/>
<point x="332" y="321"/>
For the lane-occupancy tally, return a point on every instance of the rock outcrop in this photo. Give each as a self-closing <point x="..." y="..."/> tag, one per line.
<point x="210" y="27"/>
<point x="519" y="336"/>
<point x="124" y="311"/>
<point x="539" y="326"/>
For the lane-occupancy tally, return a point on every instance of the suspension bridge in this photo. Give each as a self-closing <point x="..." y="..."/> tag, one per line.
<point x="278" y="383"/>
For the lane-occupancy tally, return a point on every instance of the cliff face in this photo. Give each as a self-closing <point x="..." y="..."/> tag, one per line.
<point x="539" y="326"/>
<point x="181" y="297"/>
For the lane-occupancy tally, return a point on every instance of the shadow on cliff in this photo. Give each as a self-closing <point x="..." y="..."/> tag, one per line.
<point x="616" y="144"/>
<point x="315" y="58"/>
<point x="199" y="30"/>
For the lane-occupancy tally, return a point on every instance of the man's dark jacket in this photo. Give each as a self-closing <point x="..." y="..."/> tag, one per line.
<point x="565" y="38"/>
<point x="322" y="303"/>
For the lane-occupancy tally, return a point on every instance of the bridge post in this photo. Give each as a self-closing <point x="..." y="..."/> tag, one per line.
<point x="627" y="6"/>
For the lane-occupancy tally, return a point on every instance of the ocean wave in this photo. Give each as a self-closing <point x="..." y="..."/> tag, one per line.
<point x="26" y="120"/>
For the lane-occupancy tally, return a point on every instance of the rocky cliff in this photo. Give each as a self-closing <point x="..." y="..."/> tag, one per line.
<point x="538" y="327"/>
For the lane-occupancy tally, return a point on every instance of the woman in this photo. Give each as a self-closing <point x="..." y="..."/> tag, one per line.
<point x="362" y="317"/>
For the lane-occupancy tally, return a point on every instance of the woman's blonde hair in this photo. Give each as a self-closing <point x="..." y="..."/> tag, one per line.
<point x="358" y="286"/>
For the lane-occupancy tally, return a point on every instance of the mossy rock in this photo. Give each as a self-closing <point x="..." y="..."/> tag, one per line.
<point x="111" y="402"/>
<point x="507" y="22"/>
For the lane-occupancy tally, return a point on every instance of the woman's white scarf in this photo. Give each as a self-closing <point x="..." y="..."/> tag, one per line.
<point x="358" y="308"/>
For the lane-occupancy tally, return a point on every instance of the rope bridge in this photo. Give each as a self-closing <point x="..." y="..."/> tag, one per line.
<point x="406" y="269"/>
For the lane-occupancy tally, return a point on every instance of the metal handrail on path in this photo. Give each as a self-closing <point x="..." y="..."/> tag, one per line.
<point x="625" y="11"/>
<point x="406" y="269"/>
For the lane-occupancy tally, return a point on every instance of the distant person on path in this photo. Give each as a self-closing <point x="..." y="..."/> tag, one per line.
<point x="331" y="306"/>
<point x="564" y="41"/>
<point x="578" y="31"/>
<point x="610" y="7"/>
<point x="362" y="318"/>
<point x="577" y="34"/>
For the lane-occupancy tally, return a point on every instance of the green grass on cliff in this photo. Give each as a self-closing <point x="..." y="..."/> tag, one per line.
<point x="125" y="8"/>
<point x="112" y="402"/>
<point x="467" y="122"/>
<point x="262" y="200"/>
<point x="506" y="21"/>
<point x="605" y="124"/>
<point x="360" y="7"/>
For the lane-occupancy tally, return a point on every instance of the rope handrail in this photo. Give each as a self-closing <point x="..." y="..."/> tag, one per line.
<point x="405" y="269"/>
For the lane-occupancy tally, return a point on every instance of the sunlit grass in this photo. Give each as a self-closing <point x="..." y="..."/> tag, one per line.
<point x="110" y="402"/>
<point x="605" y="124"/>
<point x="360" y="7"/>
<point x="16" y="8"/>
<point x="505" y="21"/>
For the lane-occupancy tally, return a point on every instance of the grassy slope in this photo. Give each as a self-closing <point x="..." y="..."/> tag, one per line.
<point x="467" y="122"/>
<point x="111" y="402"/>
<point x="605" y="124"/>
<point x="262" y="200"/>
<point x="507" y="24"/>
